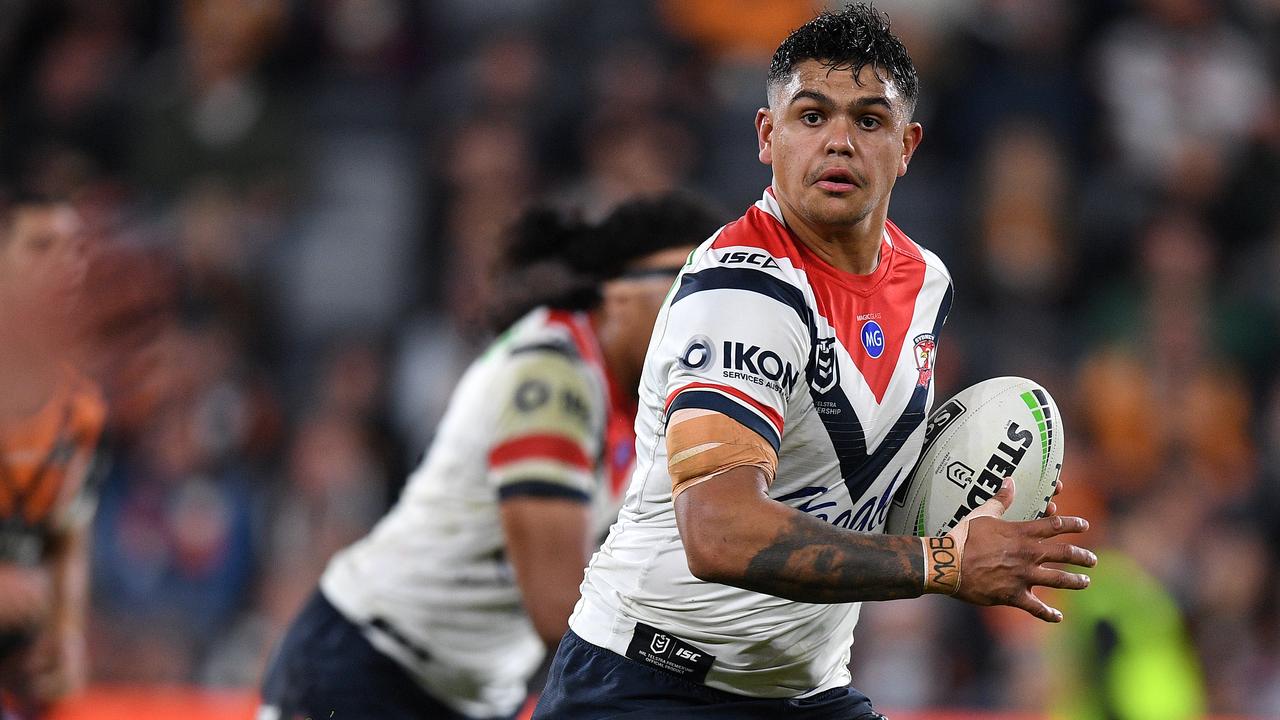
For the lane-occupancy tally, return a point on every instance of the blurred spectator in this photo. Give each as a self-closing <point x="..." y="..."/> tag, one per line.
<point x="204" y="106"/>
<point x="1203" y="84"/>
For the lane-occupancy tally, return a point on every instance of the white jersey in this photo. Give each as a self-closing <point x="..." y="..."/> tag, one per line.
<point x="835" y="371"/>
<point x="430" y="585"/>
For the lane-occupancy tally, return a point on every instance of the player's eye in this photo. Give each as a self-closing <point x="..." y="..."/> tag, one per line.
<point x="869" y="122"/>
<point x="811" y="117"/>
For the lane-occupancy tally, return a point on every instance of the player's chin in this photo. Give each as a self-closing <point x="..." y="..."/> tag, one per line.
<point x="836" y="209"/>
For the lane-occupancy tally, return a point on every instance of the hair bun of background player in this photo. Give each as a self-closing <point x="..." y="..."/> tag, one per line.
<point x="537" y="268"/>
<point x="646" y="225"/>
<point x="554" y="258"/>
<point x="1002" y="427"/>
<point x="544" y="233"/>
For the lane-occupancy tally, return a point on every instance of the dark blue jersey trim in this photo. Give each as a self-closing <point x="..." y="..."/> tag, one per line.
<point x="540" y="489"/>
<point x="558" y="348"/>
<point x="706" y="400"/>
<point x="859" y="468"/>
<point x="722" y="278"/>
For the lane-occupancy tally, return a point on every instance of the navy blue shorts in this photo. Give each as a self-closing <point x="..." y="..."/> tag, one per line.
<point x="326" y="668"/>
<point x="590" y="683"/>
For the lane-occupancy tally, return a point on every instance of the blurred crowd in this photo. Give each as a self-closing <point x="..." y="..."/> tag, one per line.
<point x="307" y="197"/>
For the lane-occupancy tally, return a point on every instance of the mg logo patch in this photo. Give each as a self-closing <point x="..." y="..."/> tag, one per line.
<point x="826" y="369"/>
<point x="872" y="339"/>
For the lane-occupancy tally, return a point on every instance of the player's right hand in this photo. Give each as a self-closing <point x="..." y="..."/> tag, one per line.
<point x="1003" y="560"/>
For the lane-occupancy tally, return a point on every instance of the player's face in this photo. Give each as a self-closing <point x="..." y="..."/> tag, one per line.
<point x="836" y="145"/>
<point x="42" y="268"/>
<point x="633" y="300"/>
<point x="44" y="249"/>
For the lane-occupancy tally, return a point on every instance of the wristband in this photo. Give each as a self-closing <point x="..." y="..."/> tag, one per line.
<point x="941" y="565"/>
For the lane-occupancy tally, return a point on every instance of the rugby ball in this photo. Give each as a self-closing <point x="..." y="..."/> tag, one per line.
<point x="1003" y="427"/>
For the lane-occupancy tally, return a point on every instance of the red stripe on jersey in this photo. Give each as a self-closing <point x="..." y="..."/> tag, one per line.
<point x="886" y="296"/>
<point x="540" y="447"/>
<point x="579" y="328"/>
<point x="759" y="229"/>
<point x="620" y="436"/>
<point x="769" y="413"/>
<point x="891" y="308"/>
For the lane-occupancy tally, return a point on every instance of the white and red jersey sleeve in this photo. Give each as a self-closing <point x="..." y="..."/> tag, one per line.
<point x="733" y="344"/>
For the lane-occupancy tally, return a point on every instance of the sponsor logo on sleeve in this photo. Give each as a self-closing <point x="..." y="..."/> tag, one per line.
<point x="759" y="366"/>
<point x="531" y="395"/>
<point x="699" y="354"/>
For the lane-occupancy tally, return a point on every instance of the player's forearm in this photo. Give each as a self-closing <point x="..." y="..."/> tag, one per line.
<point x="547" y="544"/>
<point x="780" y="551"/>
<point x="550" y="605"/>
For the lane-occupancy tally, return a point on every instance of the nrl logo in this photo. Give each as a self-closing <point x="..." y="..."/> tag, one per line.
<point x="924" y="349"/>
<point x="826" y="368"/>
<point x="659" y="643"/>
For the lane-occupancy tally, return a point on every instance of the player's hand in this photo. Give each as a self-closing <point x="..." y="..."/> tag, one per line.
<point x="1004" y="560"/>
<point x="1052" y="508"/>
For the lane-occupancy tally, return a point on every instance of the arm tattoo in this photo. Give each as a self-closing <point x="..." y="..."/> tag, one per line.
<point x="811" y="561"/>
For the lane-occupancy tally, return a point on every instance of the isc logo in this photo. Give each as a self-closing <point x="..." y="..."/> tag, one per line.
<point x="873" y="338"/>
<point x="687" y="654"/>
<point x="759" y="259"/>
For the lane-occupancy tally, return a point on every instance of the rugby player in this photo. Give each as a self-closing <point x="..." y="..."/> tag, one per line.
<point x="781" y="405"/>
<point x="446" y="609"/>
<point x="51" y="419"/>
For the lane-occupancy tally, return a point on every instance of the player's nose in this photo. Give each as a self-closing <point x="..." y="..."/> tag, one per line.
<point x="839" y="140"/>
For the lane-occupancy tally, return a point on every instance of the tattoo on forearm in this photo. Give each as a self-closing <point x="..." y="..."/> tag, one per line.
<point x="811" y="561"/>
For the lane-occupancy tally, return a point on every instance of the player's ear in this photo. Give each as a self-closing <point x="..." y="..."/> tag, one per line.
<point x="912" y="134"/>
<point x="764" y="133"/>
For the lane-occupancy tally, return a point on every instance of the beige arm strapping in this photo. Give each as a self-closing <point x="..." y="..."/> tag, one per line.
<point x="702" y="444"/>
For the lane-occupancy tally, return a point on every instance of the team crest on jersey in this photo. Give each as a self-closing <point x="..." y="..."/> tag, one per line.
<point x="826" y="368"/>
<point x="924" y="348"/>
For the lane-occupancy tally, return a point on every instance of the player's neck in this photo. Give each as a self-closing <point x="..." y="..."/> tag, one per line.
<point x="854" y="249"/>
<point x="617" y="353"/>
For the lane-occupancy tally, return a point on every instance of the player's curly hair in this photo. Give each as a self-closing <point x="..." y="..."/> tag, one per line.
<point x="536" y="269"/>
<point x="851" y="39"/>
<point x="554" y="258"/>
<point x="646" y="225"/>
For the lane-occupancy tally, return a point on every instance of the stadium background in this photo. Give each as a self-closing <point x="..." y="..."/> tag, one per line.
<point x="303" y="198"/>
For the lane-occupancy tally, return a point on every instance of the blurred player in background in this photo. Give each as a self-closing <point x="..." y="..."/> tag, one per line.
<point x="782" y="405"/>
<point x="51" y="418"/>
<point x="446" y="609"/>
